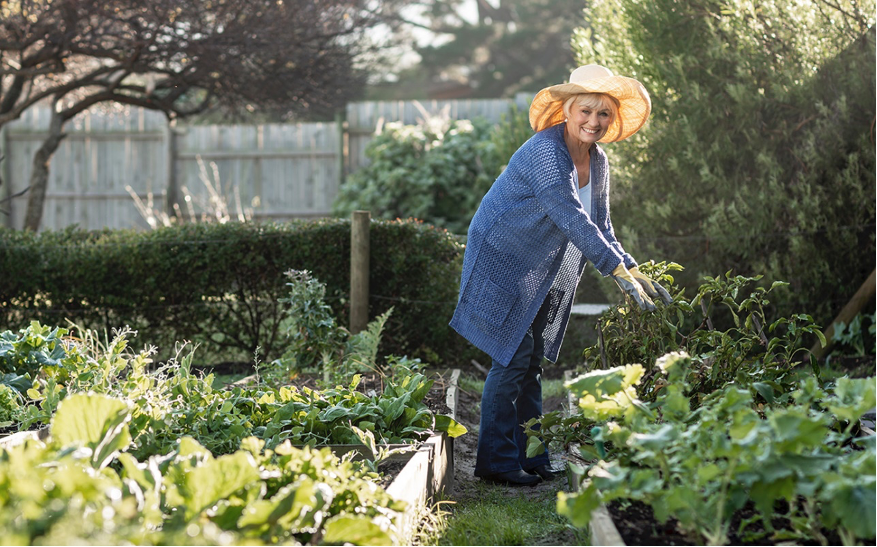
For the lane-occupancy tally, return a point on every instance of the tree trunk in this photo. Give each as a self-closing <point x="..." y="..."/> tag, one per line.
<point x="39" y="177"/>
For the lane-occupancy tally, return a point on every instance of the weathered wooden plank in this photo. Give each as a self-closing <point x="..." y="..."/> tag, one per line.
<point x="280" y="170"/>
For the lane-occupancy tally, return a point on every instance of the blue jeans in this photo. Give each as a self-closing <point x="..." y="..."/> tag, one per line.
<point x="512" y="395"/>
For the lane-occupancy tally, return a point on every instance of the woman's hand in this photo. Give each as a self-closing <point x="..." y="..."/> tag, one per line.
<point x="652" y="288"/>
<point x="628" y="283"/>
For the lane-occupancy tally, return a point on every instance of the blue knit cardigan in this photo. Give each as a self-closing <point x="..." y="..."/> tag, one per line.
<point x="529" y="241"/>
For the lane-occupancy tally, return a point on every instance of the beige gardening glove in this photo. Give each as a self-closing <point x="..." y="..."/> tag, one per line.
<point x="632" y="287"/>
<point x="651" y="287"/>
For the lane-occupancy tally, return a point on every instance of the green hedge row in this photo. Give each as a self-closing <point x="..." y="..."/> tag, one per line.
<point x="219" y="285"/>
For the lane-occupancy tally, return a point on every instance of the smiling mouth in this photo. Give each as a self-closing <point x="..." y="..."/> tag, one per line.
<point x="590" y="131"/>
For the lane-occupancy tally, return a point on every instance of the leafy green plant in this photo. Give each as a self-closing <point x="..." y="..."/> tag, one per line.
<point x="760" y="354"/>
<point x="850" y="339"/>
<point x="35" y="349"/>
<point x="185" y="496"/>
<point x="342" y="415"/>
<point x="317" y="342"/>
<point x="169" y="402"/>
<point x="700" y="466"/>
<point x="10" y="407"/>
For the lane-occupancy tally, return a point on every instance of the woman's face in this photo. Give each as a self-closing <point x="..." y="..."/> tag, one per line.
<point x="588" y="124"/>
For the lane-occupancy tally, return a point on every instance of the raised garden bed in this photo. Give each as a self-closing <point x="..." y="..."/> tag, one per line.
<point x="424" y="473"/>
<point x="17" y="438"/>
<point x="631" y="522"/>
<point x="421" y="474"/>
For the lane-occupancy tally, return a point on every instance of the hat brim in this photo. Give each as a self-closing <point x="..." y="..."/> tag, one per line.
<point x="634" y="105"/>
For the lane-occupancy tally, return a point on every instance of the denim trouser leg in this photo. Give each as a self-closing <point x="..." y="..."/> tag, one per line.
<point x="512" y="395"/>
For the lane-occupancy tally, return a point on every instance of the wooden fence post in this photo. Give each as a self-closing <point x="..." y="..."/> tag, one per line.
<point x="359" y="269"/>
<point x="853" y="307"/>
<point x="171" y="196"/>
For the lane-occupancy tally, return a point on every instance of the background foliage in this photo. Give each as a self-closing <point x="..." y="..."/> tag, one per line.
<point x="507" y="47"/>
<point x="759" y="156"/>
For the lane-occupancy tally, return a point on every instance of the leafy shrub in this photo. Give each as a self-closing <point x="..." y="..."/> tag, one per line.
<point x="508" y="135"/>
<point x="436" y="171"/>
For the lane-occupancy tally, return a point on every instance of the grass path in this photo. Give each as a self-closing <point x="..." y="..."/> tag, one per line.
<point x="481" y="513"/>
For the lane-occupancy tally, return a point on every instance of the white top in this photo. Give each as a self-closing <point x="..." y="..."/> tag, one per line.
<point x="584" y="194"/>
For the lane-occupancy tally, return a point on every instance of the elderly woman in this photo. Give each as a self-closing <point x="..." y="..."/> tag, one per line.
<point x="528" y="243"/>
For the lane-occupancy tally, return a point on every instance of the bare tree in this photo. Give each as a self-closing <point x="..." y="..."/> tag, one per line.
<point x="182" y="57"/>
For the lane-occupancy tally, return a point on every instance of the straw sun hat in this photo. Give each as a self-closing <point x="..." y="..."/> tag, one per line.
<point x="634" y="105"/>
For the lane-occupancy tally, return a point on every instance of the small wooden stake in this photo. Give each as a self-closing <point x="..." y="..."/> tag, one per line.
<point x="359" y="269"/>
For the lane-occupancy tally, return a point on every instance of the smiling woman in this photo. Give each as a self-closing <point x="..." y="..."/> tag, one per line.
<point x="543" y="219"/>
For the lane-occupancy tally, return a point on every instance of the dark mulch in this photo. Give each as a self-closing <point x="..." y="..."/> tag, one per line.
<point x="855" y="366"/>
<point x="389" y="470"/>
<point x="637" y="525"/>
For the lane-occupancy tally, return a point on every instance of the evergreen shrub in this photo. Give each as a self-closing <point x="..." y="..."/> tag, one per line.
<point x="221" y="285"/>
<point x="759" y="155"/>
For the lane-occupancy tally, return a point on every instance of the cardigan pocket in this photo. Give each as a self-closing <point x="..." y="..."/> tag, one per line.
<point x="494" y="303"/>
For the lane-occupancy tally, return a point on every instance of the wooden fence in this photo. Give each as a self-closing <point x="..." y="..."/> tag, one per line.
<point x="264" y="171"/>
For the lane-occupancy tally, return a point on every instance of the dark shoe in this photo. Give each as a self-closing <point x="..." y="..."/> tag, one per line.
<point x="513" y="478"/>
<point x="545" y="472"/>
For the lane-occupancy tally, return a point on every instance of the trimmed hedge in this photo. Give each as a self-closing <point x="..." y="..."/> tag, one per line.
<point x="219" y="285"/>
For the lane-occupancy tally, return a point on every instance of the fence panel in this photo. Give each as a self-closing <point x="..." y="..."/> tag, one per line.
<point x="276" y="171"/>
<point x="101" y="154"/>
<point x="279" y="171"/>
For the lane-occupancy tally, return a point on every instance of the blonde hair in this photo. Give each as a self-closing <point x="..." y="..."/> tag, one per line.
<point x="593" y="101"/>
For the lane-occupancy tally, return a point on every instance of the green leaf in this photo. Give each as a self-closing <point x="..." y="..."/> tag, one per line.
<point x="394" y="407"/>
<point x="794" y="429"/>
<point x="97" y="422"/>
<point x="297" y="506"/>
<point x="658" y="440"/>
<point x="600" y="383"/>
<point x="707" y="473"/>
<point x="453" y="428"/>
<point x="216" y="479"/>
<point x="356" y="530"/>
<point x="765" y="390"/>
<point x="534" y="447"/>
<point x="852" y="398"/>
<point x="334" y="413"/>
<point x="855" y="505"/>
<point x="579" y="506"/>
